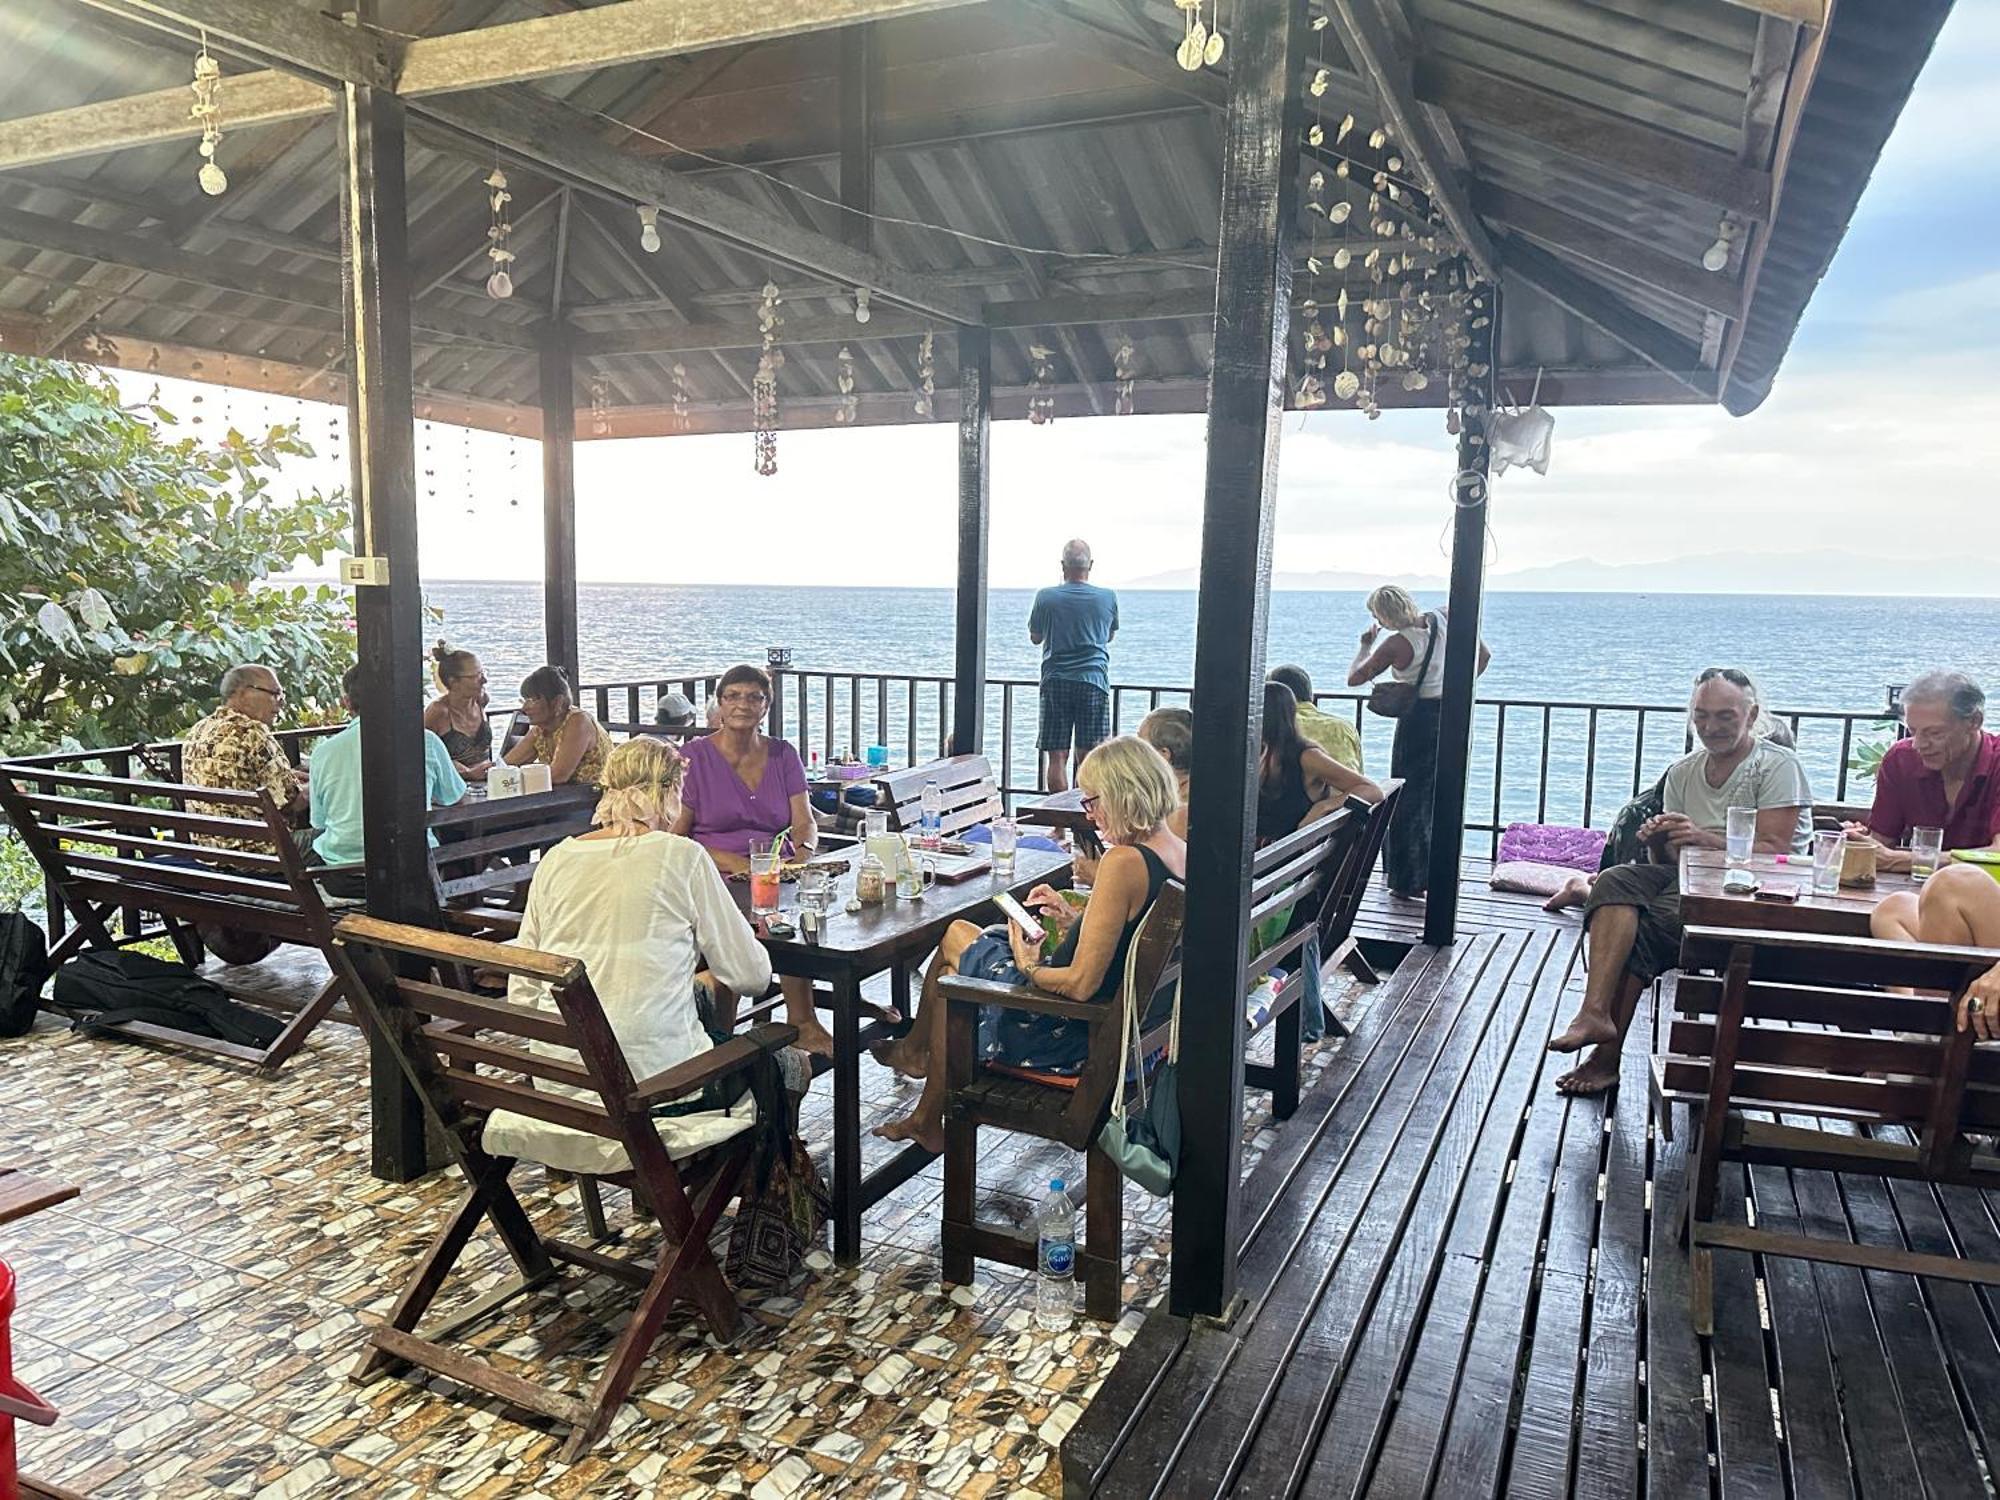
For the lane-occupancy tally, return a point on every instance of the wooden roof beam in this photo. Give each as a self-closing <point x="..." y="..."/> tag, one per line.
<point x="1038" y="312"/>
<point x="1596" y="136"/>
<point x="1711" y="291"/>
<point x="145" y="253"/>
<point x="1659" y="346"/>
<point x="1374" y="50"/>
<point x="1798" y="12"/>
<point x="260" y="98"/>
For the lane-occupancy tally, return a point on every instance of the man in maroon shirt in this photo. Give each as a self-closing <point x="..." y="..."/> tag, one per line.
<point x="1945" y="775"/>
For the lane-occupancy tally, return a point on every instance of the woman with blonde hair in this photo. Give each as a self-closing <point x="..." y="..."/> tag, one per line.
<point x="1412" y="652"/>
<point x="1129" y="795"/>
<point x="640" y="905"/>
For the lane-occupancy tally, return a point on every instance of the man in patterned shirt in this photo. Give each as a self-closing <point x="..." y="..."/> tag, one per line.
<point x="234" y="748"/>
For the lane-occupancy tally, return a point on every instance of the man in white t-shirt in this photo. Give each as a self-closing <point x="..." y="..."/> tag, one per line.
<point x="1633" y="913"/>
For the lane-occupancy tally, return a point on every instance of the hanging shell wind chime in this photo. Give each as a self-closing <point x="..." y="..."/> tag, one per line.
<point x="764" y="387"/>
<point x="1200" y="45"/>
<point x="1041" y="401"/>
<point x="681" y="418"/>
<point x="926" y="374"/>
<point x="1122" y="367"/>
<point x="600" y="407"/>
<point x="207" y="108"/>
<point x="850" y="404"/>
<point x="499" y="285"/>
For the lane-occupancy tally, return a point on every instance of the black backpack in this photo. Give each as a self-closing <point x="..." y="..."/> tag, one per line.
<point x="107" y="987"/>
<point x="24" y="969"/>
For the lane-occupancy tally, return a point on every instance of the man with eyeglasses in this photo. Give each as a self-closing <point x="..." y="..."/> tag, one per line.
<point x="1073" y="622"/>
<point x="1946" y="774"/>
<point x="234" y="749"/>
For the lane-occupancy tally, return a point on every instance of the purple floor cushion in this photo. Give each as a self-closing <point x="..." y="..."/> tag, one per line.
<point x="1552" y="844"/>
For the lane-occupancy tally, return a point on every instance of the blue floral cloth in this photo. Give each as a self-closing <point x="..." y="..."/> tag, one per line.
<point x="1020" y="1038"/>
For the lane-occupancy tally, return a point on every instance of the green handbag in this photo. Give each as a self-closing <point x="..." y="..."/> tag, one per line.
<point x="1146" y="1144"/>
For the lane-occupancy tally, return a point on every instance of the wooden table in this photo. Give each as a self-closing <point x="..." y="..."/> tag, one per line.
<point x="1844" y="914"/>
<point x="852" y="947"/>
<point x="1057" y="810"/>
<point x="476" y="810"/>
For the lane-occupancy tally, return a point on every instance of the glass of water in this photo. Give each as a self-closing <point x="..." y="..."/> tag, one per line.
<point x="816" y="887"/>
<point x="1739" y="834"/>
<point x="1006" y="839"/>
<point x="1829" y="853"/>
<point x="1926" y="849"/>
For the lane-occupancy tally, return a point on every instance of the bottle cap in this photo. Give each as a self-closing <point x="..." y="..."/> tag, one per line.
<point x="1055" y="1184"/>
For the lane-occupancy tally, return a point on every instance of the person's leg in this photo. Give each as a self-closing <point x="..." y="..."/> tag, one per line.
<point x="1897" y="917"/>
<point x="910" y="1054"/>
<point x="1052" y="737"/>
<point x="925" y="1123"/>
<point x="1574" y="891"/>
<point x="1413" y="759"/>
<point x="1959" y="906"/>
<point x="813" y="1036"/>
<point x="1055" y="770"/>
<point x="1611" y="932"/>
<point x="1599" y="1071"/>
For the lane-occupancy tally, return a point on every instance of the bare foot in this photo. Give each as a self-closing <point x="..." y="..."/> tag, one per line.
<point x="900" y="1057"/>
<point x="1575" y="891"/>
<point x="1597" y="1075"/>
<point x="814" y="1038"/>
<point x="912" y="1128"/>
<point x="1583" y="1031"/>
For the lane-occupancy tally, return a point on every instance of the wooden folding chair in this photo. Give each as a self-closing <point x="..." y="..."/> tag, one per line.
<point x="474" y="1058"/>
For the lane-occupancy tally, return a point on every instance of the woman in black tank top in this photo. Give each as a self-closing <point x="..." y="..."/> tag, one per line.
<point x="458" y="717"/>
<point x="1296" y="780"/>
<point x="1129" y="793"/>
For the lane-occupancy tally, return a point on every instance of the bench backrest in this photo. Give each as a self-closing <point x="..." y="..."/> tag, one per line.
<point x="504" y="837"/>
<point x="137" y="844"/>
<point x="469" y="1054"/>
<point x="1350" y="882"/>
<point x="1803" y="1025"/>
<point x="971" y="795"/>
<point x="1300" y="872"/>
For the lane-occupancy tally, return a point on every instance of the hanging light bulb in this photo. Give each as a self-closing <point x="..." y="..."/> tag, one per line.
<point x="861" y="312"/>
<point x="649" y="228"/>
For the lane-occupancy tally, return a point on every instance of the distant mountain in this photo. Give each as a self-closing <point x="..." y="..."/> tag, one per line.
<point x="1817" y="571"/>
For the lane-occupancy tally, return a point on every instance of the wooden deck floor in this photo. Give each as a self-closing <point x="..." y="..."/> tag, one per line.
<point x="1391" y="919"/>
<point x="1460" y="1283"/>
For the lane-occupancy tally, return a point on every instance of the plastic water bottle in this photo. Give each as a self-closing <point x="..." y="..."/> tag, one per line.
<point x="1055" y="1259"/>
<point x="931" y="830"/>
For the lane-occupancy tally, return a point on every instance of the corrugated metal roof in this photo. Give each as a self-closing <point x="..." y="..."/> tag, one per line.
<point x="1059" y="126"/>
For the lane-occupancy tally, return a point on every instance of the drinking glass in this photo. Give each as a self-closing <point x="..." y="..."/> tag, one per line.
<point x="1739" y="834"/>
<point x="763" y="883"/>
<point x="1006" y="838"/>
<point x="1829" y="853"/>
<point x="816" y="887"/>
<point x="1926" y="848"/>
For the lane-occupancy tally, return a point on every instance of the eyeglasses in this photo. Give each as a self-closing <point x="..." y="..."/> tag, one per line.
<point x="749" y="700"/>
<point x="276" y="693"/>
<point x="1727" y="674"/>
<point x="1089" y="804"/>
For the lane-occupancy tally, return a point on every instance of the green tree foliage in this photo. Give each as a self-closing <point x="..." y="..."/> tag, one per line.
<point x="136" y="566"/>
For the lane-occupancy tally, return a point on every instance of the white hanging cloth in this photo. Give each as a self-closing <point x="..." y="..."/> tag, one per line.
<point x="1521" y="435"/>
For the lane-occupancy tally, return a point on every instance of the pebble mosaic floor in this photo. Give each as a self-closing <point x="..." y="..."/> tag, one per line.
<point x="195" y="1312"/>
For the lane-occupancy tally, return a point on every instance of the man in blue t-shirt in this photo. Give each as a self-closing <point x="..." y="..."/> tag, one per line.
<point x="1073" y="623"/>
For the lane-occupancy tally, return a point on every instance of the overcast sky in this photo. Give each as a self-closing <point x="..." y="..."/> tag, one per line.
<point x="1881" y="437"/>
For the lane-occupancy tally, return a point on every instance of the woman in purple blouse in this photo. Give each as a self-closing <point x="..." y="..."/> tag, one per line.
<point x="741" y="790"/>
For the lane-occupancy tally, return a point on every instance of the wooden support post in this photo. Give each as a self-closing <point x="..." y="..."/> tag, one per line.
<point x="388" y="617"/>
<point x="975" y="421"/>
<point x="1246" y="403"/>
<point x="1461" y="640"/>
<point x="558" y="394"/>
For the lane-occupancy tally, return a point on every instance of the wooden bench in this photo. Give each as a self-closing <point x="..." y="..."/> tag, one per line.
<point x="978" y="1096"/>
<point x="109" y="843"/>
<point x="475" y="1058"/>
<point x="1798" y="1025"/>
<point x="970" y="794"/>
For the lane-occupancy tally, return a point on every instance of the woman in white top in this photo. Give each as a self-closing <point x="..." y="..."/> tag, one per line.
<point x="641" y="906"/>
<point x="1413" y="652"/>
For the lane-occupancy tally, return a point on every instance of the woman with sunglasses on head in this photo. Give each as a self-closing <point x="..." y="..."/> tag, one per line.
<point x="743" y="790"/>
<point x="1129" y="795"/>
<point x="458" y="715"/>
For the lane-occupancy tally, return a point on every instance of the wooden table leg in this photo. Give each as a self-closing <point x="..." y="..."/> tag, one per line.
<point x="847" y="1199"/>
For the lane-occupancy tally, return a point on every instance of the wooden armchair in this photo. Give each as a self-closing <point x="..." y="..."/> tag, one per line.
<point x="484" y="1062"/>
<point x="1793" y="1024"/>
<point x="1073" y="1114"/>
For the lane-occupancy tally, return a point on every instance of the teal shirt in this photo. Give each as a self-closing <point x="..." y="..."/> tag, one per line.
<point x="1076" y="622"/>
<point x="336" y="791"/>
